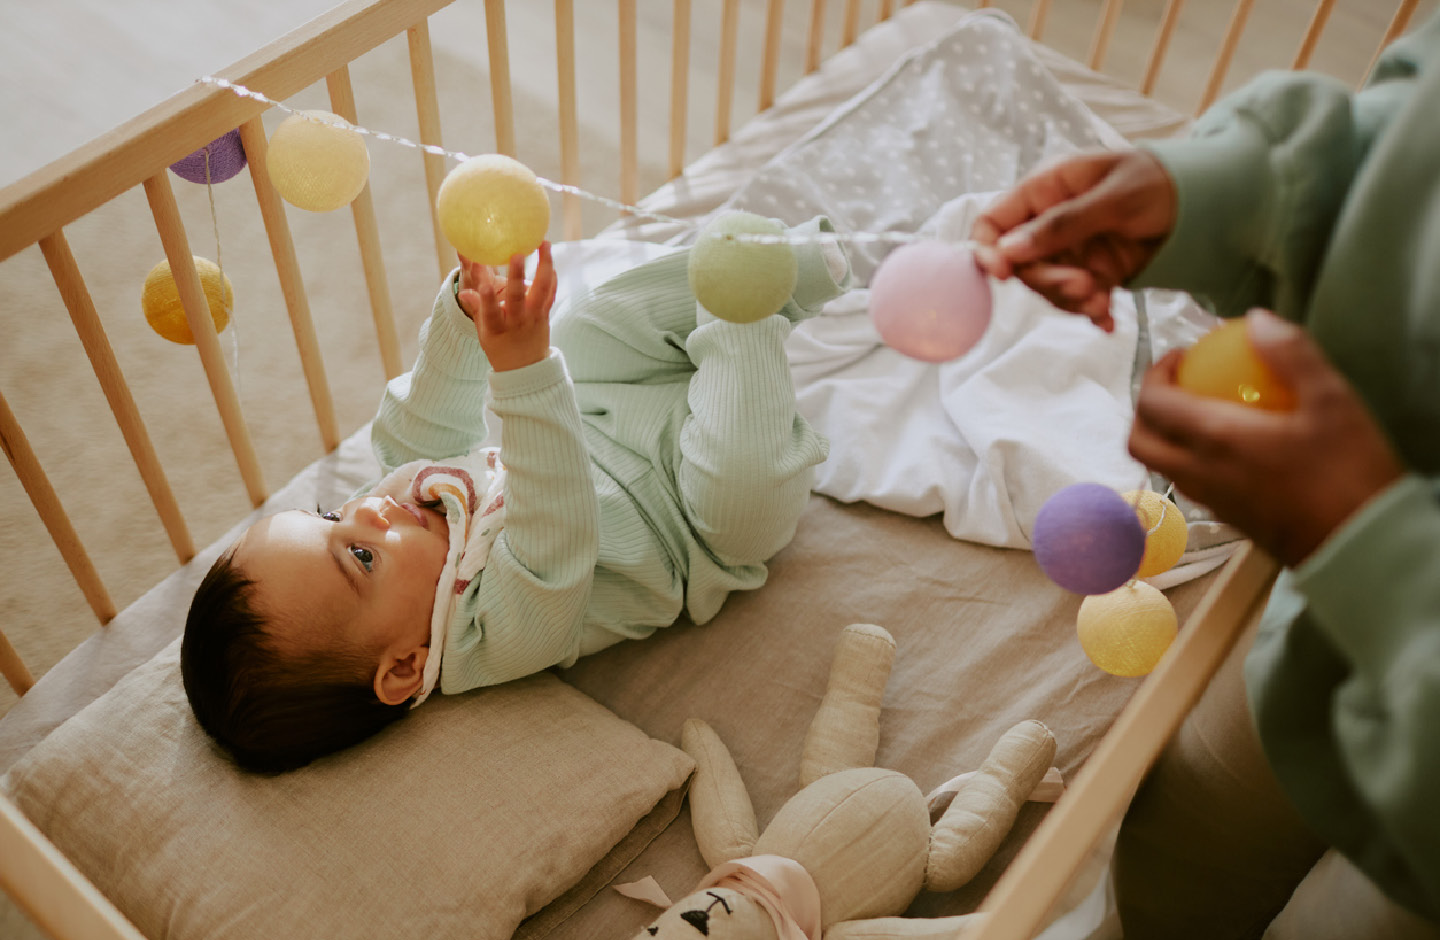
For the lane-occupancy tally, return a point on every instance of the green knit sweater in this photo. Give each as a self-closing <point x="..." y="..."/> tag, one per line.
<point x="1298" y="195"/>
<point x="654" y="463"/>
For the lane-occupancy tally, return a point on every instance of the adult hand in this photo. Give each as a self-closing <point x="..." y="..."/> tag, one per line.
<point x="512" y="319"/>
<point x="1285" y="479"/>
<point x="1077" y="229"/>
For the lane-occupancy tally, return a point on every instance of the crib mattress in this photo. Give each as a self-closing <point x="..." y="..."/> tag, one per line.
<point x="984" y="639"/>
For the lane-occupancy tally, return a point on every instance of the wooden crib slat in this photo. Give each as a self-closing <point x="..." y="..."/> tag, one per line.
<point x="770" y="60"/>
<point x="1038" y="15"/>
<point x="1104" y="31"/>
<point x="292" y="284"/>
<point x="679" y="85"/>
<point x="1040" y="873"/>
<point x="51" y="890"/>
<point x="850" y="26"/>
<point x="817" y="33"/>
<point x="427" y="112"/>
<point x="1168" y="20"/>
<point x="629" y="126"/>
<point x="1227" y="52"/>
<point x="202" y="328"/>
<point x="47" y="504"/>
<point x="729" y="26"/>
<point x="118" y="160"/>
<point x="367" y="231"/>
<point x="885" y="12"/>
<point x="88" y="328"/>
<point x="1318" y="19"/>
<point x="497" y="42"/>
<point x="1398" y="22"/>
<point x="569" y="114"/>
<point x="13" y="668"/>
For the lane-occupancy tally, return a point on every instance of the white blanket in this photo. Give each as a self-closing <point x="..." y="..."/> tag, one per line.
<point x="1045" y="399"/>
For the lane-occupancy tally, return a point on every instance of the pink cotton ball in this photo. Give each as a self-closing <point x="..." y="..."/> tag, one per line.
<point x="930" y="301"/>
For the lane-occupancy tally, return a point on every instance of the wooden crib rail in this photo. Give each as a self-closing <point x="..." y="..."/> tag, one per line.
<point x="1017" y="907"/>
<point x="125" y="157"/>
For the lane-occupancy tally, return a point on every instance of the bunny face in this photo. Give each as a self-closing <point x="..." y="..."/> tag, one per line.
<point x="713" y="914"/>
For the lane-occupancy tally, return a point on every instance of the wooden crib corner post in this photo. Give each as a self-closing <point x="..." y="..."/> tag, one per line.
<point x="50" y="890"/>
<point x="1020" y="901"/>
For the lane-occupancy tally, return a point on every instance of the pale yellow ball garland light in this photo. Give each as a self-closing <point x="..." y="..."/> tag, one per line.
<point x="1094" y="541"/>
<point x="216" y="162"/>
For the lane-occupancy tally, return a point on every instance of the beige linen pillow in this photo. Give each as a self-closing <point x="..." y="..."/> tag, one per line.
<point x="471" y="814"/>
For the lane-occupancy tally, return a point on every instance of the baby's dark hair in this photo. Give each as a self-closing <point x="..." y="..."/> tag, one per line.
<point x="270" y="712"/>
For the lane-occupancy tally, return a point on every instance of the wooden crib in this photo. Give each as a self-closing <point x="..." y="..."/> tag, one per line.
<point x="134" y="157"/>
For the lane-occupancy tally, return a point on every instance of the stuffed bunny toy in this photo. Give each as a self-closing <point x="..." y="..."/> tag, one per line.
<point x="849" y="852"/>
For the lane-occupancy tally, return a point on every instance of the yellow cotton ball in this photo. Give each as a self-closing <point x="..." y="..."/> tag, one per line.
<point x="491" y="207"/>
<point x="317" y="166"/>
<point x="1126" y="631"/>
<point x="1222" y="364"/>
<point x="742" y="281"/>
<point x="160" y="300"/>
<point x="1165" y="530"/>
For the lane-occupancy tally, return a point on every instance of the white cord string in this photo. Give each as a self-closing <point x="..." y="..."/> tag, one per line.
<point x="566" y="188"/>
<point x="220" y="266"/>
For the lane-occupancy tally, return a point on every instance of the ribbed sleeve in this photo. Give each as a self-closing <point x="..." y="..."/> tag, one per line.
<point x="527" y="609"/>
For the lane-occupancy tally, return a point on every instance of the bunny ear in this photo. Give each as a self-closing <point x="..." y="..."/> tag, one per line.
<point x="647" y="889"/>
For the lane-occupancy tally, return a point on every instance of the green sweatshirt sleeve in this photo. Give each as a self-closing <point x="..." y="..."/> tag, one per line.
<point x="437" y="409"/>
<point x="527" y="609"/>
<point x="1260" y="183"/>
<point x="1373" y="588"/>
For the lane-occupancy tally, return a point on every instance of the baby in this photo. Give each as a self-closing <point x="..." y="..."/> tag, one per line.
<point x="652" y="462"/>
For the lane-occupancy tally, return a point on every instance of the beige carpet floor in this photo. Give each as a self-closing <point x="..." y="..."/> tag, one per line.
<point x="69" y="69"/>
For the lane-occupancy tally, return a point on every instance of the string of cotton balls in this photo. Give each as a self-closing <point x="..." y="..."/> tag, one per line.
<point x="928" y="298"/>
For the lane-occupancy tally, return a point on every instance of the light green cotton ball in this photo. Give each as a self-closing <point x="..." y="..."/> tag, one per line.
<point x="742" y="281"/>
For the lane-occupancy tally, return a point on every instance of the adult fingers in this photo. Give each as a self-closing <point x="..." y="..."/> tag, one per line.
<point x="1038" y="192"/>
<point x="1295" y="359"/>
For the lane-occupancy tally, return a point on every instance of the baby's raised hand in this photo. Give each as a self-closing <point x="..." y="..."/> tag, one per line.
<point x="512" y="319"/>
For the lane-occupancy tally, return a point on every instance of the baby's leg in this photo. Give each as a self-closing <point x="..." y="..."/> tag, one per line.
<point x="747" y="457"/>
<point x="635" y="328"/>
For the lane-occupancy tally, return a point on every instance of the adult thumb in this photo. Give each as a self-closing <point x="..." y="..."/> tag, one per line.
<point x="1286" y="348"/>
<point x="1057" y="230"/>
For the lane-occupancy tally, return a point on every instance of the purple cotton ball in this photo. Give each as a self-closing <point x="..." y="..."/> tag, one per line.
<point x="1088" y="539"/>
<point x="930" y="301"/>
<point x="227" y="157"/>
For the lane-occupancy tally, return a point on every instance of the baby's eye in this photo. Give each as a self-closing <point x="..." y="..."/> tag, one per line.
<point x="331" y="516"/>
<point x="363" y="555"/>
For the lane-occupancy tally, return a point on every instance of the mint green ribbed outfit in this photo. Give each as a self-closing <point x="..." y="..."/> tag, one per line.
<point x="1323" y="204"/>
<point x="655" y="462"/>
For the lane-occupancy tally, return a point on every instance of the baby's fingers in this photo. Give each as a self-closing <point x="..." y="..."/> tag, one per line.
<point x="542" y="290"/>
<point x="515" y="287"/>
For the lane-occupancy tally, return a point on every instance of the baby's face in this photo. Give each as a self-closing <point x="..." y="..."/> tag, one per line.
<point x="370" y="566"/>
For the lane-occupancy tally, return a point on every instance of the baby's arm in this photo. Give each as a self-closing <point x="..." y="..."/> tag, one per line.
<point x="526" y="610"/>
<point x="437" y="409"/>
